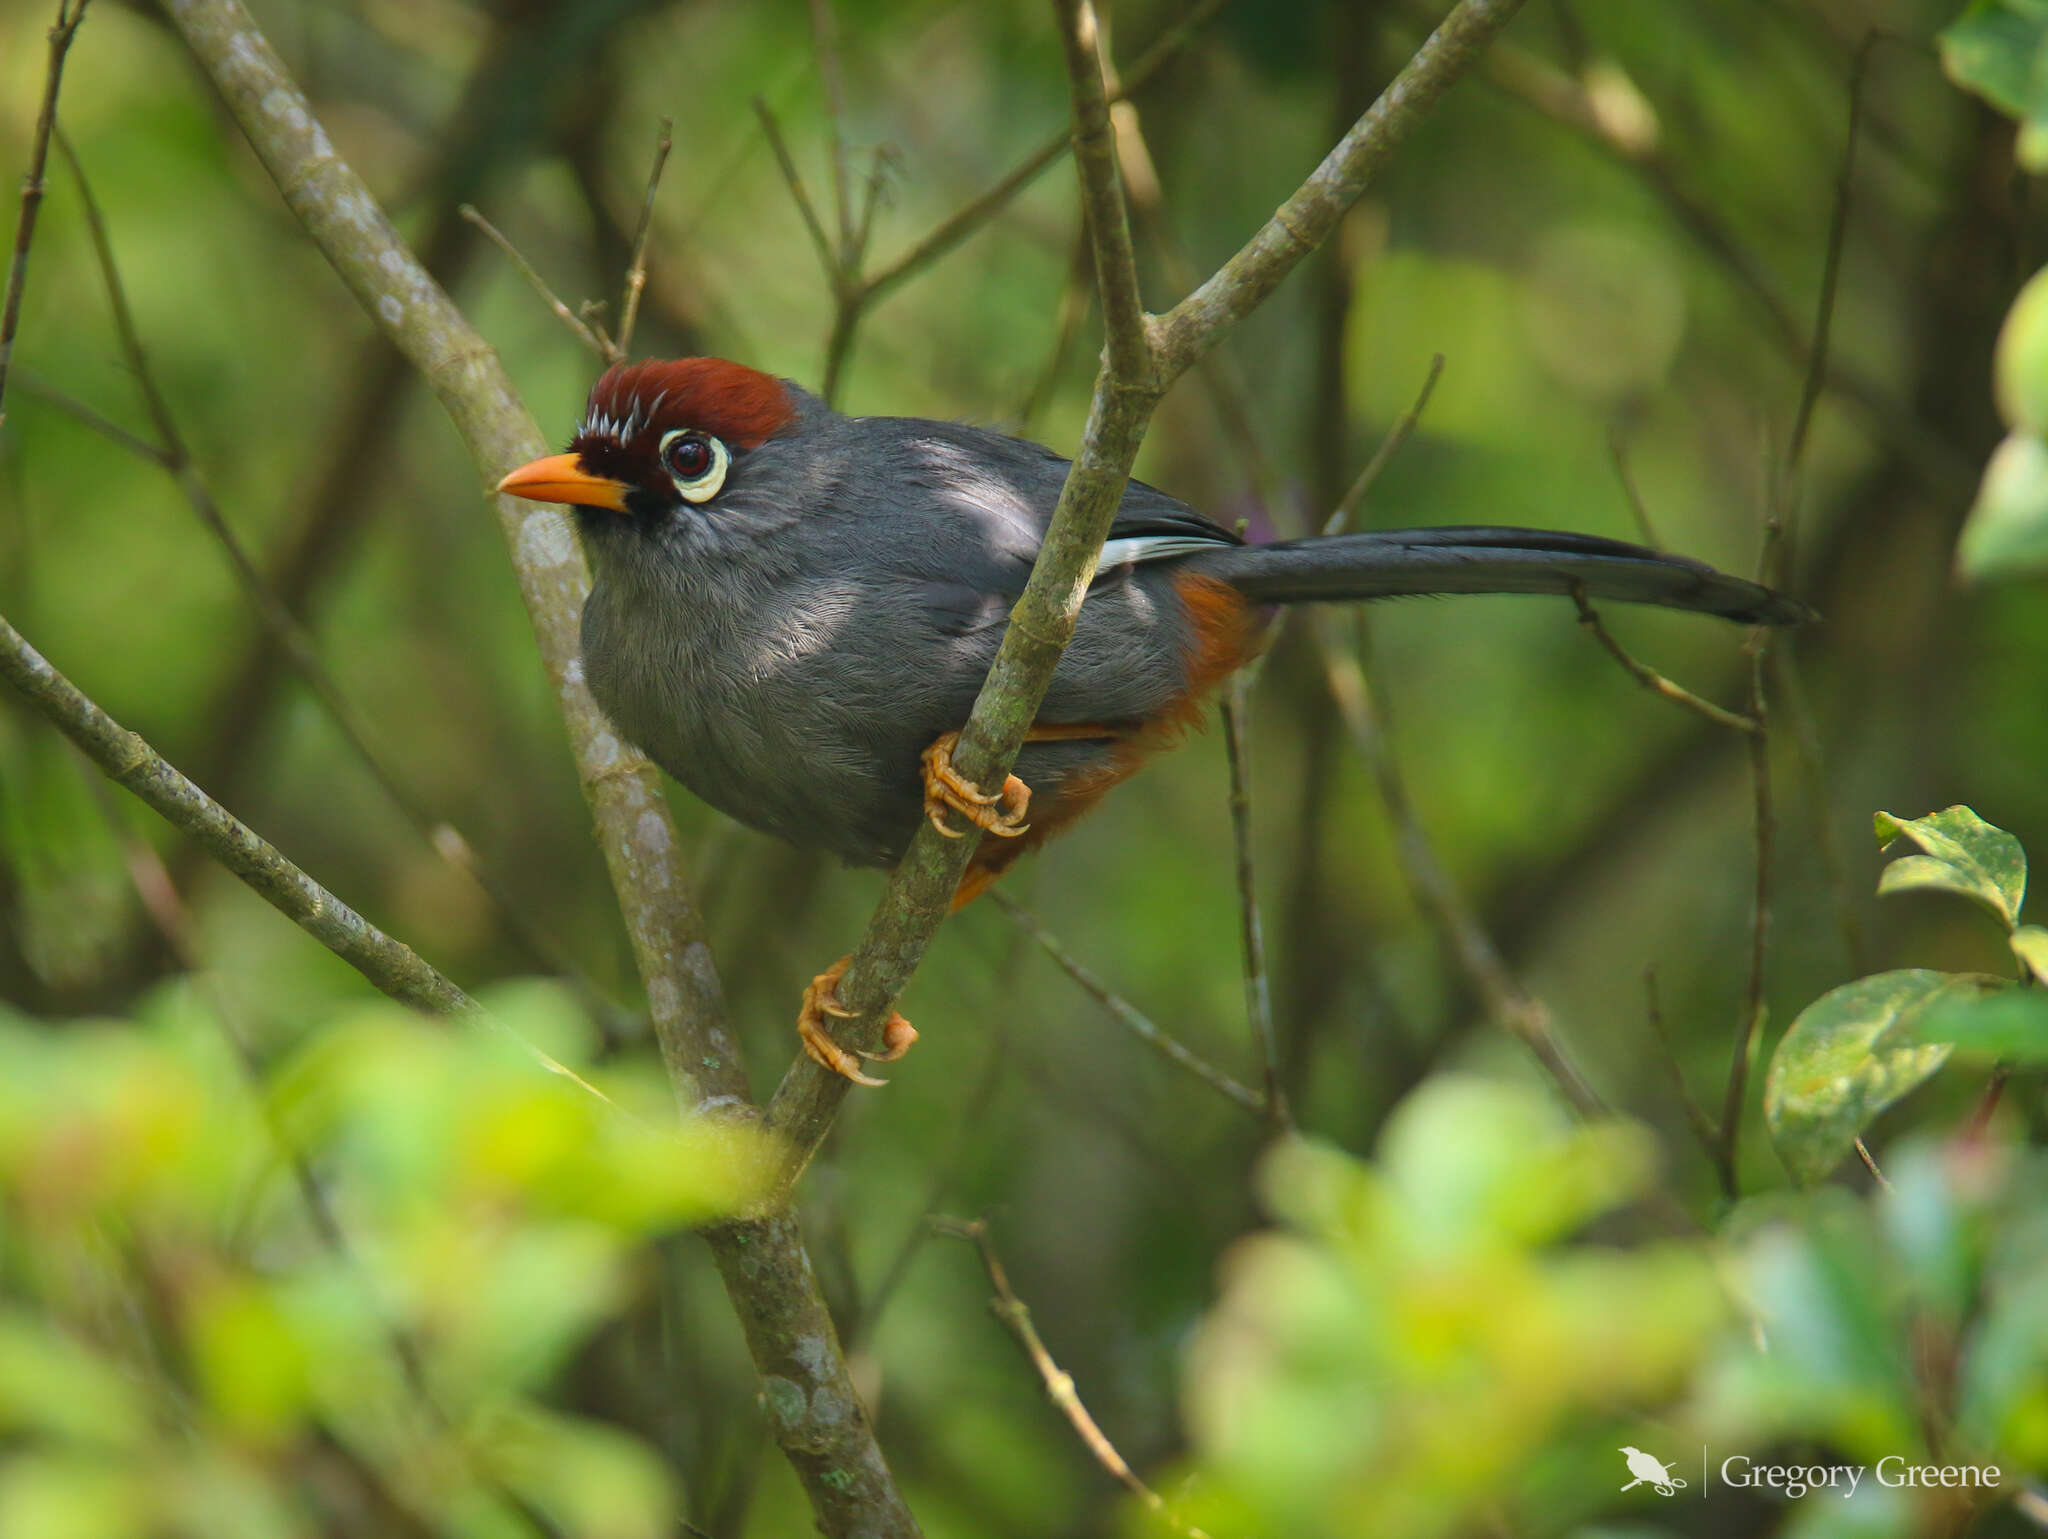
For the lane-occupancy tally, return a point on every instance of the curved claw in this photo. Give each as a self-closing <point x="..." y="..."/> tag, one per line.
<point x="821" y="1000"/>
<point x="946" y="790"/>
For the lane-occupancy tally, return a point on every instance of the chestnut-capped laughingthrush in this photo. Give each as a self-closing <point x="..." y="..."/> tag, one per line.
<point x="793" y="611"/>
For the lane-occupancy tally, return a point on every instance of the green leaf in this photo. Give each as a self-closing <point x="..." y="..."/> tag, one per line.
<point x="2011" y="1024"/>
<point x="2030" y="945"/>
<point x="1964" y="854"/>
<point x="2006" y="533"/>
<point x="2002" y="1380"/>
<point x="1841" y="1063"/>
<point x="2020" y="368"/>
<point x="1997" y="48"/>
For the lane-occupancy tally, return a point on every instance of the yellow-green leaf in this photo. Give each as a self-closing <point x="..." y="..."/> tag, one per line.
<point x="1845" y="1059"/>
<point x="1964" y="854"/>
<point x="2030" y="945"/>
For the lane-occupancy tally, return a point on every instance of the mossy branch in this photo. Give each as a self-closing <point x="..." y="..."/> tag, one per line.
<point x="767" y="1273"/>
<point x="1143" y="357"/>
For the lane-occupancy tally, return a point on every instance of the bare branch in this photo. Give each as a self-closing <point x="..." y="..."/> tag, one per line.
<point x="794" y="178"/>
<point x="539" y="285"/>
<point x="823" y="1429"/>
<point x="175" y="456"/>
<point x="1306" y="219"/>
<point x="1102" y="195"/>
<point x="1347" y="505"/>
<point x="1128" y="1015"/>
<point x="1651" y="679"/>
<point x="128" y="761"/>
<point x="1567" y="102"/>
<point x="920" y="890"/>
<point x="1750" y="1023"/>
<point x="1831" y="266"/>
<point x="61" y="33"/>
<point x="825" y="43"/>
<point x="1617" y="452"/>
<point x="1510" y="1004"/>
<point x="636" y="272"/>
<point x="1696" y="1117"/>
<point x="855" y="294"/>
<point x="1258" y="988"/>
<point x="1059" y="1385"/>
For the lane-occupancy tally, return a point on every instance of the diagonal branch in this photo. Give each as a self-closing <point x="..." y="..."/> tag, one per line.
<point x="1305" y="220"/>
<point x="1126" y="390"/>
<point x="815" y="1413"/>
<point x="130" y="762"/>
<point x="355" y="235"/>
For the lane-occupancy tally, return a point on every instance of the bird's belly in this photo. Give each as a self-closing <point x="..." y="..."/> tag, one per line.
<point x="774" y="750"/>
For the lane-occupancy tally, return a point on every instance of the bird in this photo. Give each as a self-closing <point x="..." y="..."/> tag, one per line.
<point x="792" y="611"/>
<point x="1649" y="1470"/>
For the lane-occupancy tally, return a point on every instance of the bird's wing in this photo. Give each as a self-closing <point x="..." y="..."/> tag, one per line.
<point x="990" y="498"/>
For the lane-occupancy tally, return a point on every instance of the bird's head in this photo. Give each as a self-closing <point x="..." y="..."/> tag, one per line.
<point x="659" y="441"/>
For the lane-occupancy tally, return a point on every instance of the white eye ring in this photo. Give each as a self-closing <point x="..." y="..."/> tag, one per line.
<point x="704" y="484"/>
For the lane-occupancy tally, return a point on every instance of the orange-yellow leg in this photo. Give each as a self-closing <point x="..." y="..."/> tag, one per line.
<point x="820" y="1000"/>
<point x="945" y="789"/>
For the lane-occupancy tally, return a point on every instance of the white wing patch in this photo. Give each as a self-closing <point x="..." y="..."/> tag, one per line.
<point x="1152" y="547"/>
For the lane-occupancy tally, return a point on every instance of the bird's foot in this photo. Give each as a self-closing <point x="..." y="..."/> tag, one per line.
<point x="821" y="999"/>
<point x="945" y="789"/>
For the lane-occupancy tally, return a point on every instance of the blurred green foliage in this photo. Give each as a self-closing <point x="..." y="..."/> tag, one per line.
<point x="1616" y="236"/>
<point x="256" y="1306"/>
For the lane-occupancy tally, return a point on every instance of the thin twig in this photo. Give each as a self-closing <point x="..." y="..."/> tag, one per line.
<point x="1870" y="1164"/>
<point x="1347" y="505"/>
<point x="1128" y="1015"/>
<point x="1617" y="453"/>
<point x="1806" y="747"/>
<point x="1135" y="372"/>
<point x="61" y="33"/>
<point x="1779" y="507"/>
<point x="873" y="185"/>
<point x="1222" y="380"/>
<point x="1258" y="988"/>
<point x="636" y="271"/>
<point x="969" y="1133"/>
<point x="539" y="285"/>
<point x="1059" y="1384"/>
<point x="172" y="920"/>
<point x="125" y="758"/>
<point x="175" y="456"/>
<point x="825" y="44"/>
<point x="79" y="412"/>
<point x="821" y="1425"/>
<point x="794" y="180"/>
<point x="1509" y="1003"/>
<point x="855" y="292"/>
<point x="1695" y="1115"/>
<point x="1507" y="1000"/>
<point x="1651" y="679"/>
<point x="1750" y="1024"/>
<point x="1980" y="1116"/>
<point x="1524" y="77"/>
<point x="1831" y="265"/>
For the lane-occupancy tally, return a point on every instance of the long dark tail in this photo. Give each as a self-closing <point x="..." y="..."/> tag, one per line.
<point x="1481" y="559"/>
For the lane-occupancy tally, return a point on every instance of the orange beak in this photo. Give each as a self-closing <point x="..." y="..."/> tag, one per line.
<point x="562" y="478"/>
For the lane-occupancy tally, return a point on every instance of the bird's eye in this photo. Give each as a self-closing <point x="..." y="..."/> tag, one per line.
<point x="696" y="462"/>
